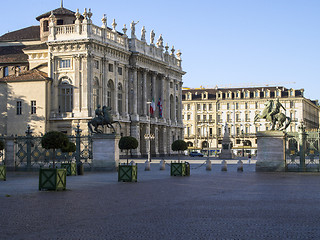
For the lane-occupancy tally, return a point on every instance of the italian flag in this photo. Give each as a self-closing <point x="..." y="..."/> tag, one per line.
<point x="152" y="107"/>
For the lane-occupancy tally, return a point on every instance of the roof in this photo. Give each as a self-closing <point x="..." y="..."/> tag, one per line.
<point x="37" y="47"/>
<point x="31" y="75"/>
<point x="12" y="54"/>
<point x="58" y="11"/>
<point x="28" y="33"/>
<point x="213" y="92"/>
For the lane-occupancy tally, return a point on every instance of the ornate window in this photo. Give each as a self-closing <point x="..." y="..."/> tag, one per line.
<point x="65" y="95"/>
<point x="45" y="26"/>
<point x="110" y="91"/>
<point x="65" y="63"/>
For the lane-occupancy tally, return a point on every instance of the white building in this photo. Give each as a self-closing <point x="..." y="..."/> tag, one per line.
<point x="84" y="65"/>
<point x="206" y="111"/>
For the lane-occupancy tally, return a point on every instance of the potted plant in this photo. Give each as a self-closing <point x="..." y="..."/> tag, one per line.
<point x="127" y="173"/>
<point x="53" y="178"/>
<point x="179" y="169"/>
<point x="3" y="171"/>
<point x="70" y="166"/>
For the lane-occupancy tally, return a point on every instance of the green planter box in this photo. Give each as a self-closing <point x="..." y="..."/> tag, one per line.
<point x="52" y="179"/>
<point x="127" y="173"/>
<point x="3" y="172"/>
<point x="71" y="168"/>
<point x="180" y="169"/>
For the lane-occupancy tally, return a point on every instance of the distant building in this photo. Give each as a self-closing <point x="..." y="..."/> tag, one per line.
<point x="53" y="76"/>
<point x="206" y="111"/>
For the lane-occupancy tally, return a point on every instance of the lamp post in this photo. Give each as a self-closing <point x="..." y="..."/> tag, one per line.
<point x="148" y="136"/>
<point x="242" y="133"/>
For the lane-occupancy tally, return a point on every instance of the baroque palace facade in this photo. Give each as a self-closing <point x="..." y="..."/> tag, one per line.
<point x="207" y="111"/>
<point x="53" y="77"/>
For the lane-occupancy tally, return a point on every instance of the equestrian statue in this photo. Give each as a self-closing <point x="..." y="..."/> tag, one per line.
<point x="102" y="118"/>
<point x="272" y="113"/>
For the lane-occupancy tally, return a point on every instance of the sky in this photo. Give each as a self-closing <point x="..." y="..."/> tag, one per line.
<point x="229" y="43"/>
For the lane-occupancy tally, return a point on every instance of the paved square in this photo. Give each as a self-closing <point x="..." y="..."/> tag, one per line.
<point x="205" y="205"/>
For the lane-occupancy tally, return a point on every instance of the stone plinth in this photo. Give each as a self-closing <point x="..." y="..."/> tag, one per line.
<point x="105" y="152"/>
<point x="271" y="151"/>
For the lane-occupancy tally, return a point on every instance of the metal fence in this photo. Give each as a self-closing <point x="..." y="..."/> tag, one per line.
<point x="29" y="154"/>
<point x="302" y="150"/>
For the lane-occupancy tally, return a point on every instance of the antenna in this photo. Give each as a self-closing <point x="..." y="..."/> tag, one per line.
<point x="61" y="3"/>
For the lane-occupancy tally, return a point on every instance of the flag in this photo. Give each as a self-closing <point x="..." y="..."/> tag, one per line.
<point x="152" y="107"/>
<point x="160" y="107"/>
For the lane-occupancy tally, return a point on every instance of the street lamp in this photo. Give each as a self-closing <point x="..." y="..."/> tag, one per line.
<point x="242" y="133"/>
<point x="148" y="136"/>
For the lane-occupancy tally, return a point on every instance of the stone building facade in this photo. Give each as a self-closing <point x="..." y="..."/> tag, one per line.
<point x="83" y="66"/>
<point x="206" y="112"/>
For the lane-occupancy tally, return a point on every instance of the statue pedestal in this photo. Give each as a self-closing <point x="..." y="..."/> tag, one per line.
<point x="105" y="152"/>
<point x="271" y="151"/>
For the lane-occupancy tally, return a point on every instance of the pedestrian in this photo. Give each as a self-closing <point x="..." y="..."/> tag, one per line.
<point x="249" y="158"/>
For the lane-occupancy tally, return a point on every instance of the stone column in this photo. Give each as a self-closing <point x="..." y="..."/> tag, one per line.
<point x="164" y="141"/>
<point x="174" y="102"/>
<point x="179" y="103"/>
<point x="156" y="140"/>
<point x="126" y="92"/>
<point x="135" y="132"/>
<point x="153" y="83"/>
<point x="168" y="100"/>
<point x="116" y="81"/>
<point x="86" y="76"/>
<point x="144" y="94"/>
<point x="135" y="93"/>
<point x="104" y="80"/>
<point x="169" y="140"/>
<point x="77" y="84"/>
<point x="162" y="94"/>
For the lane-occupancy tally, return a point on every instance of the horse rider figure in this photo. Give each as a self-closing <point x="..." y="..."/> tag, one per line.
<point x="103" y="117"/>
<point x="99" y="113"/>
<point x="276" y="109"/>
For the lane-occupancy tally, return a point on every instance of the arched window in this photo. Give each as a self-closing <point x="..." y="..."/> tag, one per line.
<point x="96" y="92"/>
<point x="205" y="144"/>
<point x="65" y="95"/>
<point x="171" y="107"/>
<point x="120" y="98"/>
<point x="110" y="92"/>
<point x="190" y="144"/>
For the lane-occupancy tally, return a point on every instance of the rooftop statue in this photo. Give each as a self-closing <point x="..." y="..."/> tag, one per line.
<point x="272" y="113"/>
<point x="133" y="28"/>
<point x="102" y="118"/>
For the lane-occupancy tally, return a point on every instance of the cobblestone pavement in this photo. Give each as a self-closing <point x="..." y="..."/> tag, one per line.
<point x="205" y="205"/>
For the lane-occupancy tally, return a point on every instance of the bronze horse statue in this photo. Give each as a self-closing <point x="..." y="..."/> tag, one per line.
<point x="103" y="119"/>
<point x="273" y="115"/>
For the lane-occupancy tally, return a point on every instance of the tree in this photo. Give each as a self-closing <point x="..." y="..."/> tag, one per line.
<point x="179" y="145"/>
<point x="128" y="143"/>
<point x="71" y="147"/>
<point x="54" y="140"/>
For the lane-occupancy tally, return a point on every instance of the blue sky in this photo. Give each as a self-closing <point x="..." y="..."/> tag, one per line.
<point x="231" y="43"/>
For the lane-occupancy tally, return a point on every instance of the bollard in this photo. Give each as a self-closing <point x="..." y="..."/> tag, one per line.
<point x="147" y="166"/>
<point x="162" y="164"/>
<point x="224" y="165"/>
<point x="240" y="166"/>
<point x="208" y="165"/>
